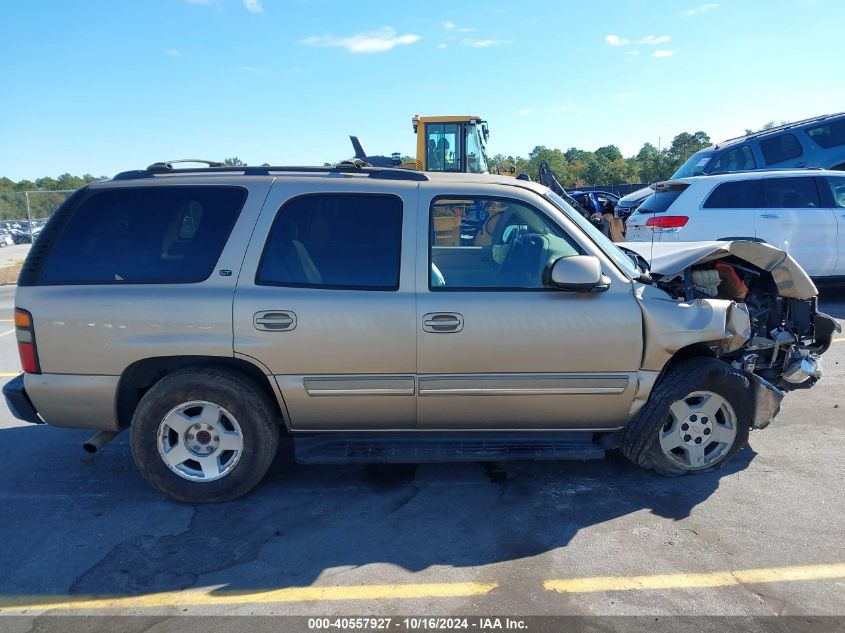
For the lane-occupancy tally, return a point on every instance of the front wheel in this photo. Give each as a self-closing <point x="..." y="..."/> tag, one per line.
<point x="204" y="435"/>
<point x="697" y="418"/>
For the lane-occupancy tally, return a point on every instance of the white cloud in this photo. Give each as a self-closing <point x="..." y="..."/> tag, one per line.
<point x="172" y="52"/>
<point x="654" y="39"/>
<point x="448" y="25"/>
<point x="634" y="53"/>
<point x="625" y="95"/>
<point x="615" y="40"/>
<point x="442" y="46"/>
<point x="648" y="40"/>
<point x="371" y="42"/>
<point x="482" y="43"/>
<point x="466" y="29"/>
<point x="253" y="6"/>
<point x="525" y="111"/>
<point x="662" y="53"/>
<point x="702" y="8"/>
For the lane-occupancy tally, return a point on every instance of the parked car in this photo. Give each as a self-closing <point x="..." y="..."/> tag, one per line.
<point x="596" y="201"/>
<point x="800" y="211"/>
<point x="220" y="312"/>
<point x="815" y="142"/>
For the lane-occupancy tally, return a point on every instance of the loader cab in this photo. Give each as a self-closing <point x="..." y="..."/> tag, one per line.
<point x="451" y="144"/>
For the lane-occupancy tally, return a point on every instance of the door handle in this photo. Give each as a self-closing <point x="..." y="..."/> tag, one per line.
<point x="770" y="216"/>
<point x="274" y="320"/>
<point x="443" y="322"/>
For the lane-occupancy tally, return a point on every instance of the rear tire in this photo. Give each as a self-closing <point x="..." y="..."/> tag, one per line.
<point x="697" y="418"/>
<point x="204" y="435"/>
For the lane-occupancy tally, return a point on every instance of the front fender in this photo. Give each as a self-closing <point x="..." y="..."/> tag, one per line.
<point x="670" y="325"/>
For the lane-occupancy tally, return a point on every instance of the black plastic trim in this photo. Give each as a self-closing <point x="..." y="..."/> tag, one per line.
<point x="382" y="173"/>
<point x="18" y="402"/>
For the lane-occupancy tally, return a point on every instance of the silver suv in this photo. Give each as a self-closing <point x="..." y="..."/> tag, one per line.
<point x="379" y="315"/>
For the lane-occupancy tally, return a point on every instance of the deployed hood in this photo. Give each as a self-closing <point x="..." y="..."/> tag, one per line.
<point x="672" y="258"/>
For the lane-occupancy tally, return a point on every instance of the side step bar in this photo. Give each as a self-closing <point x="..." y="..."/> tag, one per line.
<point x="442" y="446"/>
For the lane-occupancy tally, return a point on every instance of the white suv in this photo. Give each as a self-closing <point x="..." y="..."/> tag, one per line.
<point x="800" y="211"/>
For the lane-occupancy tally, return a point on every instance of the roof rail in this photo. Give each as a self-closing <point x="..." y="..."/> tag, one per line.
<point x="759" y="170"/>
<point x="346" y="167"/>
<point x="778" y="128"/>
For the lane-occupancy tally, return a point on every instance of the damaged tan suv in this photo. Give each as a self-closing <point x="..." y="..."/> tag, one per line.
<point x="360" y="314"/>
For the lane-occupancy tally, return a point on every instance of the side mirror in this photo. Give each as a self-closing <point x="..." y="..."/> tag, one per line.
<point x="580" y="273"/>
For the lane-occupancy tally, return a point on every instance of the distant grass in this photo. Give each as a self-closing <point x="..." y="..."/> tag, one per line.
<point x="9" y="274"/>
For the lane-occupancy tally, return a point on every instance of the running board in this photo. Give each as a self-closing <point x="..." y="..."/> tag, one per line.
<point x="408" y="447"/>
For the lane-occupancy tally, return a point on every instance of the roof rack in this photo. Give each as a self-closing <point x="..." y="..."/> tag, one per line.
<point x="759" y="170"/>
<point x="778" y="128"/>
<point x="213" y="167"/>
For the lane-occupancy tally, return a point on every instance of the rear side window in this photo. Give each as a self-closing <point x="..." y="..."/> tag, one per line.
<point x="144" y="235"/>
<point x="837" y="190"/>
<point x="737" y="159"/>
<point x="740" y="194"/>
<point x="343" y="241"/>
<point x="829" y="135"/>
<point x="660" y="201"/>
<point x="790" y="193"/>
<point x="780" y="148"/>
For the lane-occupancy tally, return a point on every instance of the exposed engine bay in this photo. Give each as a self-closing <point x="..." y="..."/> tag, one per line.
<point x="786" y="333"/>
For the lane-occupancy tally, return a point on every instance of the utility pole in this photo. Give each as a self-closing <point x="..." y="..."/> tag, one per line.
<point x="28" y="214"/>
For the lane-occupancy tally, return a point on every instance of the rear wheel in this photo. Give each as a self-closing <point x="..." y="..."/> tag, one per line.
<point x="204" y="435"/>
<point x="696" y="419"/>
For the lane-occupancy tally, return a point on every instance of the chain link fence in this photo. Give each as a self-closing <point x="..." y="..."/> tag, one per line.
<point x="23" y="213"/>
<point x="620" y="190"/>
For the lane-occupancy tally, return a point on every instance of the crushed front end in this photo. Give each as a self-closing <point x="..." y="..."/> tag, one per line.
<point x="784" y="333"/>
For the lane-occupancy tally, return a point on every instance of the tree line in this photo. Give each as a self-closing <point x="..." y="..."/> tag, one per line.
<point x="606" y="165"/>
<point x="63" y="182"/>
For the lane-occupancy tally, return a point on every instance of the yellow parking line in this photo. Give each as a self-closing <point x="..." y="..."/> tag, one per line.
<point x="210" y="597"/>
<point x="7" y="333"/>
<point x="685" y="581"/>
<point x="8" y="374"/>
<point x="839" y="340"/>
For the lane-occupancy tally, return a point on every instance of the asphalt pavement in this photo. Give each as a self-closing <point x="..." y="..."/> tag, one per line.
<point x="84" y="533"/>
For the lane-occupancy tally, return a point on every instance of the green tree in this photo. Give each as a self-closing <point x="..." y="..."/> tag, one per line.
<point x="234" y="161"/>
<point x="685" y="145"/>
<point x="609" y="152"/>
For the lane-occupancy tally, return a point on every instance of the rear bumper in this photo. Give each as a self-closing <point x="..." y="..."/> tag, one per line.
<point x="18" y="402"/>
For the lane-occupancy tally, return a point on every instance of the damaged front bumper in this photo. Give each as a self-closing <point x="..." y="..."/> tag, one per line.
<point x="767" y="399"/>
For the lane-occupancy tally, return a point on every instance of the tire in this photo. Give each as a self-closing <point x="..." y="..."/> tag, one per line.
<point x="701" y="409"/>
<point x="204" y="435"/>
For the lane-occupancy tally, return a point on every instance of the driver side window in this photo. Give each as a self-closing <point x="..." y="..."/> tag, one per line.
<point x="492" y="243"/>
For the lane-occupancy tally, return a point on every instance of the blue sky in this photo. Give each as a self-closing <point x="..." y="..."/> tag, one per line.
<point x="102" y="86"/>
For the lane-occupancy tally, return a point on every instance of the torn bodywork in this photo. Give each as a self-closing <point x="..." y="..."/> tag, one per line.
<point x="748" y="303"/>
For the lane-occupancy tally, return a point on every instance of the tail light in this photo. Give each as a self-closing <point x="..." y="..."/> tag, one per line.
<point x="667" y="221"/>
<point x="26" y="342"/>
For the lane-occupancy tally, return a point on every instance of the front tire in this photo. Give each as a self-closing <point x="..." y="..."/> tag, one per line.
<point x="697" y="418"/>
<point x="204" y="435"/>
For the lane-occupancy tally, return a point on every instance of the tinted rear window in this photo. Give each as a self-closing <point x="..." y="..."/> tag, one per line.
<point x="144" y="235"/>
<point x="741" y="194"/>
<point x="780" y="148"/>
<point x="343" y="241"/>
<point x="790" y="193"/>
<point x="829" y="135"/>
<point x="660" y="201"/>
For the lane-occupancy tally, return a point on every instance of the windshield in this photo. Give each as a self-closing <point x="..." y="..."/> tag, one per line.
<point x="694" y="165"/>
<point x="602" y="241"/>
<point x="476" y="156"/>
